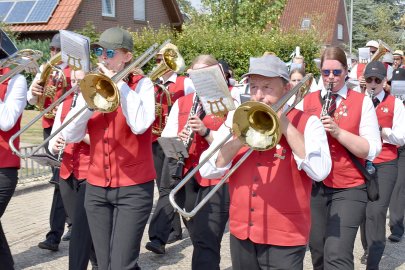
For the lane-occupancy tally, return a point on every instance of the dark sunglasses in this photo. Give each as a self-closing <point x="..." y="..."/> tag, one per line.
<point x="99" y="52"/>
<point x="372" y="52"/>
<point x="336" y="72"/>
<point x="54" y="49"/>
<point x="370" y="80"/>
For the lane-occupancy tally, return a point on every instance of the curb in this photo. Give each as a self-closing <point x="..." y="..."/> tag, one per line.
<point x="32" y="184"/>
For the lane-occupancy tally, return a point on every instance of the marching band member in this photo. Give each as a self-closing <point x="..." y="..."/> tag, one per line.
<point x="57" y="215"/>
<point x="177" y="86"/>
<point x="119" y="191"/>
<point x="206" y="228"/>
<point x="13" y="98"/>
<point x="398" y="59"/>
<point x="73" y="174"/>
<point x="338" y="203"/>
<point x="391" y="116"/>
<point x="270" y="191"/>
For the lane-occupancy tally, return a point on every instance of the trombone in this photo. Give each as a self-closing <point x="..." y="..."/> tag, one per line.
<point x="99" y="91"/>
<point x="19" y="61"/>
<point x="252" y="119"/>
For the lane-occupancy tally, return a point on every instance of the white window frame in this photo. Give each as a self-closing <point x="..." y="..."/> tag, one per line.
<point x="139" y="10"/>
<point x="340" y="31"/>
<point x="104" y="11"/>
<point x="306" y="23"/>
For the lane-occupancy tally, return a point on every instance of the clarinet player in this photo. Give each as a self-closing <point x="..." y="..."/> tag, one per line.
<point x="338" y="203"/>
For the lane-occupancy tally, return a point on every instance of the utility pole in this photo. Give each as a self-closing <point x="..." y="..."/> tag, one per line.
<point x="351" y="27"/>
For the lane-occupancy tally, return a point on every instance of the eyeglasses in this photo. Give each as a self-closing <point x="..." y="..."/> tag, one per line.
<point x="371" y="79"/>
<point x="336" y="72"/>
<point x="109" y="52"/>
<point x="372" y="52"/>
<point x="54" y="49"/>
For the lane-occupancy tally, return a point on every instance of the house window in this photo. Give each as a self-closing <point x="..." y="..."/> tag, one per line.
<point x="306" y="23"/>
<point x="108" y="7"/>
<point x="340" y="32"/>
<point x="139" y="10"/>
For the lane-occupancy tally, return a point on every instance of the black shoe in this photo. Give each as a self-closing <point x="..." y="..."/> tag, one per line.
<point x="66" y="237"/>
<point x="173" y="238"/>
<point x="155" y="247"/>
<point x="363" y="258"/>
<point x="48" y="245"/>
<point x="394" y="238"/>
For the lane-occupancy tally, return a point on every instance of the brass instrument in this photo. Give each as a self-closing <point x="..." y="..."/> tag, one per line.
<point x="50" y="89"/>
<point x="328" y="99"/>
<point x="257" y="125"/>
<point x="171" y="61"/>
<point x="100" y="93"/>
<point x="22" y="60"/>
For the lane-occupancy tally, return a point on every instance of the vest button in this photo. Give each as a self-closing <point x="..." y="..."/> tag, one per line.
<point x="106" y="167"/>
<point x="252" y="209"/>
<point x="250" y="223"/>
<point x="105" y="141"/>
<point x="253" y="194"/>
<point x="106" y="154"/>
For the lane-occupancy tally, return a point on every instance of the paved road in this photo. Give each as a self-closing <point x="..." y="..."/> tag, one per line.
<point x="26" y="223"/>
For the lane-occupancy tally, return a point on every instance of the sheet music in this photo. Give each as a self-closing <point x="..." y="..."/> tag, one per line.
<point x="364" y="55"/>
<point x="75" y="50"/>
<point x="398" y="89"/>
<point x="212" y="89"/>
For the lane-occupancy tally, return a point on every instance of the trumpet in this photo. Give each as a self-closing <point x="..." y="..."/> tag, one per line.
<point x="252" y="120"/>
<point x="100" y="93"/>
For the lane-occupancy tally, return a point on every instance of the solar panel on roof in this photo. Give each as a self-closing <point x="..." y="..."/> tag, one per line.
<point x="42" y="11"/>
<point x="4" y="9"/>
<point x="19" y="12"/>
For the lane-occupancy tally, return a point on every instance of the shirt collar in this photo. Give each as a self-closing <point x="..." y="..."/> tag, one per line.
<point x="380" y="95"/>
<point x="342" y="92"/>
<point x="170" y="79"/>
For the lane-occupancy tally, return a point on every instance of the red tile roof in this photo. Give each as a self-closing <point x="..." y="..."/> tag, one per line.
<point x="323" y="15"/>
<point x="60" y="19"/>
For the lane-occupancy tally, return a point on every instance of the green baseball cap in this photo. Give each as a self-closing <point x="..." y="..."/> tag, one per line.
<point x="115" y="38"/>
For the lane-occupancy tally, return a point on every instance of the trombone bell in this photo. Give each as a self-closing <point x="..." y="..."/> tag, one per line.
<point x="100" y="92"/>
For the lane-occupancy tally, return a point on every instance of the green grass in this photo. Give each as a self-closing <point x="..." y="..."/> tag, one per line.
<point x="33" y="135"/>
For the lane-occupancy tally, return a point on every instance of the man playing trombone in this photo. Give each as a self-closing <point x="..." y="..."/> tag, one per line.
<point x="270" y="192"/>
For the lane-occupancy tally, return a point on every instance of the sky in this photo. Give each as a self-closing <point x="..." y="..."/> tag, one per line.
<point x="196" y="3"/>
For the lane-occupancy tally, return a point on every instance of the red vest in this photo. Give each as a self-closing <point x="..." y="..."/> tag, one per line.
<point x="344" y="173"/>
<point x="360" y="69"/>
<point x="118" y="157"/>
<point x="199" y="144"/>
<point x="385" y="115"/>
<point x="8" y="159"/>
<point x="176" y="90"/>
<point x="48" y="122"/>
<point x="270" y="197"/>
<point x="76" y="156"/>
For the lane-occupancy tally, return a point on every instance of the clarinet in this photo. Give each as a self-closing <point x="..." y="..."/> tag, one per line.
<point x="178" y="174"/>
<point x="328" y="100"/>
<point x="60" y="153"/>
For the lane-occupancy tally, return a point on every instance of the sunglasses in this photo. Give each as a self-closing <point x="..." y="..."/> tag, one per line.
<point x="335" y="72"/>
<point x="52" y="49"/>
<point x="109" y="52"/>
<point x="370" y="80"/>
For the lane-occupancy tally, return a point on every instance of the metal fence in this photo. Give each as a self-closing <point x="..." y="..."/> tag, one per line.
<point x="30" y="168"/>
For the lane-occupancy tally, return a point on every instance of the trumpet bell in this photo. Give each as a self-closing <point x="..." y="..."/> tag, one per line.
<point x="257" y="125"/>
<point x="100" y="92"/>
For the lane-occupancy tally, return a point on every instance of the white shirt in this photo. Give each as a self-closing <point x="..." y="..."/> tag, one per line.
<point x="14" y="102"/>
<point x="138" y="107"/>
<point x="317" y="162"/>
<point x="188" y="83"/>
<point x="34" y="99"/>
<point x="396" y="134"/>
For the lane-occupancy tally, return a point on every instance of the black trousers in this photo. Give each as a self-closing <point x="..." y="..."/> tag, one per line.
<point x="117" y="219"/>
<point x="336" y="215"/>
<point x="57" y="217"/>
<point x="397" y="204"/>
<point x="80" y="246"/>
<point x="164" y="219"/>
<point x="373" y="227"/>
<point x="8" y="183"/>
<point x="248" y="255"/>
<point x="207" y="228"/>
